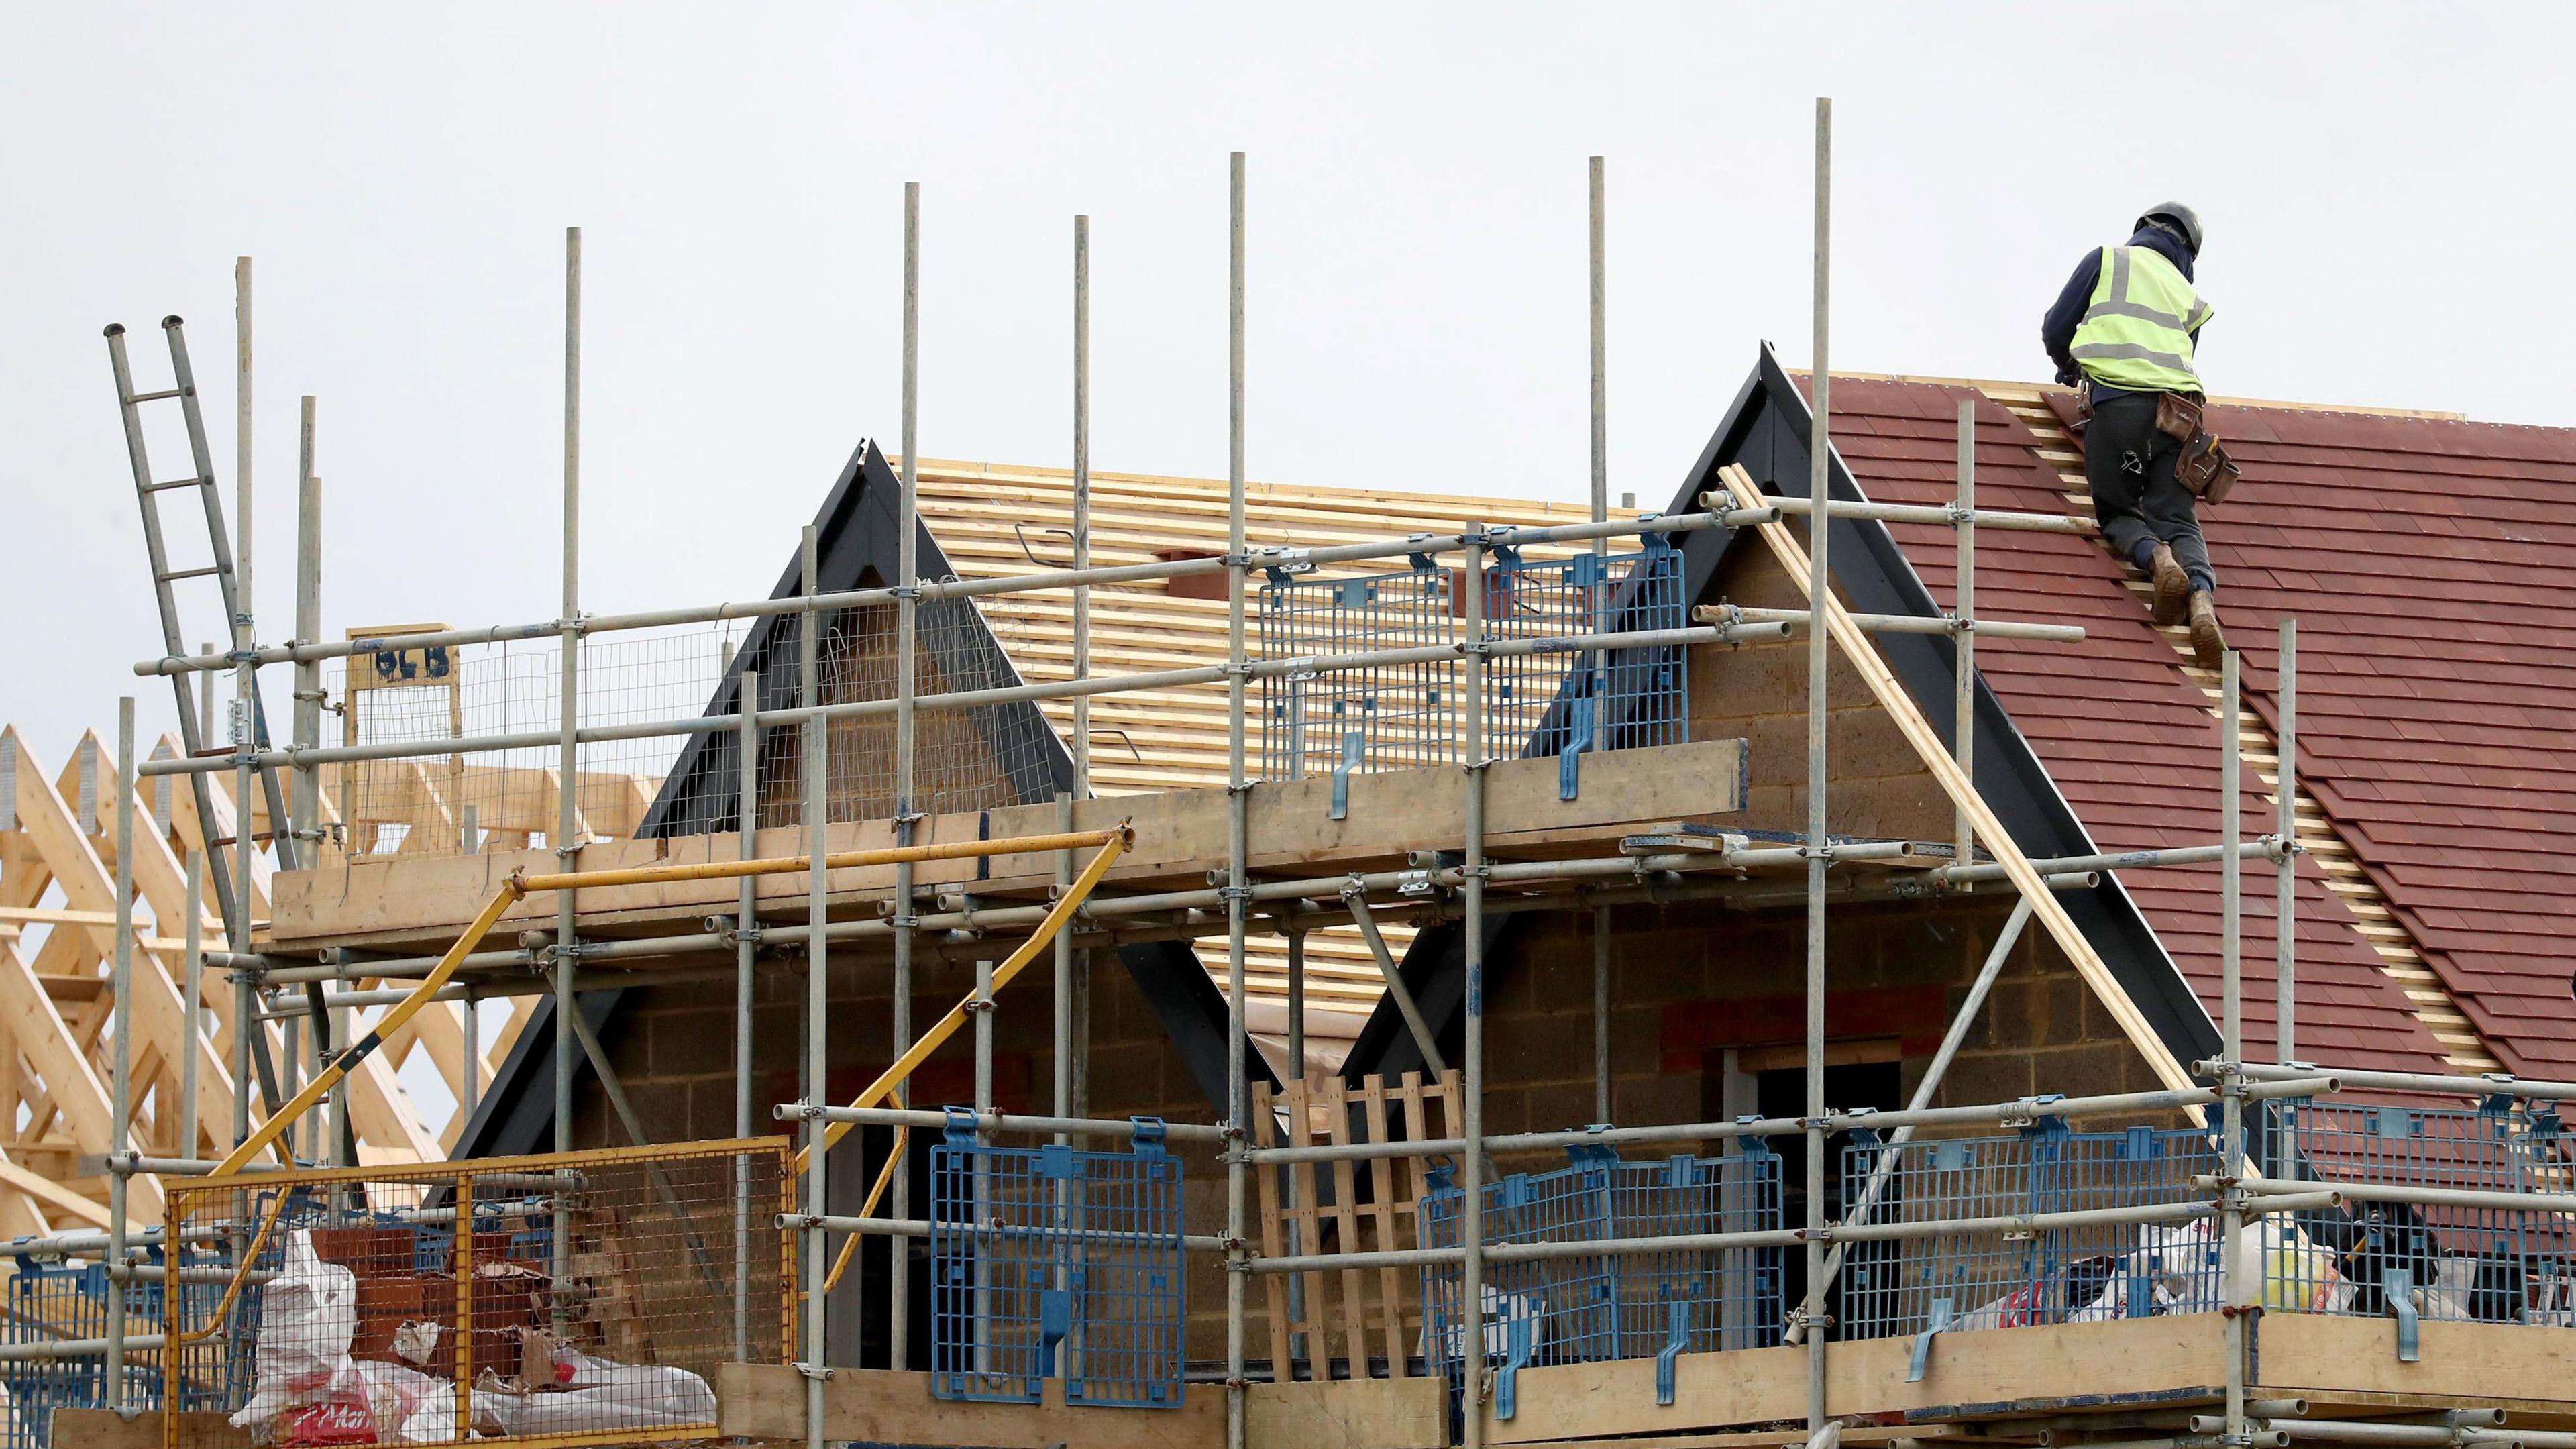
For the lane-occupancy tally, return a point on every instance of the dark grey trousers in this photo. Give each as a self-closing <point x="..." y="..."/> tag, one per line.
<point x="2135" y="493"/>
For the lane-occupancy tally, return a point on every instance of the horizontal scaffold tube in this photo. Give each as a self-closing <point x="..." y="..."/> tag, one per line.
<point x="988" y="1121"/>
<point x="2117" y="1104"/>
<point x="76" y="1348"/>
<point x="2499" y="1084"/>
<point x="920" y="1228"/>
<point x="1940" y="514"/>
<point x="2458" y="1197"/>
<point x="1762" y="1238"/>
<point x="1260" y="558"/>
<point x="304" y="757"/>
<point x="1796" y="619"/>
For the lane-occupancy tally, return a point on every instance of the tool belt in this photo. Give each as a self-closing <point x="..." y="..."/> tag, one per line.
<point x="2202" y="465"/>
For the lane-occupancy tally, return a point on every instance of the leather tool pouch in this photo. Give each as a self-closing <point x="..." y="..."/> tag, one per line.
<point x="2205" y="469"/>
<point x="2178" y="415"/>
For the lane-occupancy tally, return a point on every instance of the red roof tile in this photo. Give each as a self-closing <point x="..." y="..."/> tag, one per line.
<point x="2133" y="744"/>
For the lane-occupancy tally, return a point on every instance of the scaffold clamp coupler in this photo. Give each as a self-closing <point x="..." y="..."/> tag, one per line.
<point x="816" y="1372"/>
<point x="906" y="591"/>
<point x="1413" y="883"/>
<point x="1282" y="563"/>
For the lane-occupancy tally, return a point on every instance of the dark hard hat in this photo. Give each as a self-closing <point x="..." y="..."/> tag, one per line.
<point x="2185" y="220"/>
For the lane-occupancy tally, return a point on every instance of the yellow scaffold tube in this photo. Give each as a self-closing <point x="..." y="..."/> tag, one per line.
<point x="520" y="886"/>
<point x="946" y="1027"/>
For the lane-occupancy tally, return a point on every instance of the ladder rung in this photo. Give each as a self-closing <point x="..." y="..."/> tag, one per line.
<point x="145" y="397"/>
<point x="171" y="578"/>
<point x="176" y="483"/>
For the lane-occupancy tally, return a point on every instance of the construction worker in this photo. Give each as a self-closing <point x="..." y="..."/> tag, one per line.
<point x="2126" y="328"/>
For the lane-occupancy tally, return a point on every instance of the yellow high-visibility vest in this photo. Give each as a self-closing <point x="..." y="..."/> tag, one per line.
<point x="2137" y="332"/>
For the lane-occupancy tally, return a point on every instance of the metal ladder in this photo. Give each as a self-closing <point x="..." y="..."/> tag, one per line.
<point x="250" y="733"/>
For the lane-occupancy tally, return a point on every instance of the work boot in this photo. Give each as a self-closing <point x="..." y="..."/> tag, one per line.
<point x="2172" y="586"/>
<point x="2207" y="644"/>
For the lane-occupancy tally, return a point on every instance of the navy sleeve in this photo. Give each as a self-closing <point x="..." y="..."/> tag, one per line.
<point x="2057" y="329"/>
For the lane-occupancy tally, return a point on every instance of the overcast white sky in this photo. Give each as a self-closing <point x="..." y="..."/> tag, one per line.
<point x="2383" y="186"/>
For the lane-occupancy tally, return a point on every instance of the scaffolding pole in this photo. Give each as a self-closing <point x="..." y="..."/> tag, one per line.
<point x="2285" y="931"/>
<point x="906" y="728"/>
<point x="1072" y="967"/>
<point x="2231" y="1219"/>
<point x="746" y="951"/>
<point x="1471" y="1114"/>
<point x="814" y="815"/>
<point x="567" y="846"/>
<point x="245" y="702"/>
<point x="1963" y="725"/>
<point x="1819" y="660"/>
<point x="1600" y="675"/>
<point x="120" y="1127"/>
<point x="1238" y="1093"/>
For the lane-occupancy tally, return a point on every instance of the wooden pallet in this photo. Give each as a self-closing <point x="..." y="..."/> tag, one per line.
<point x="1375" y="1206"/>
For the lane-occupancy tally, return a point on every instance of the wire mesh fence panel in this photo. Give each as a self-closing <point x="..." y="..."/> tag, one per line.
<point x="1052" y="1262"/>
<point x="2454" y="1261"/>
<point x="976" y="758"/>
<point x="591" y="1294"/>
<point x="2010" y="1277"/>
<point x="444" y="805"/>
<point x="1404" y="715"/>
<point x="1694" y="1300"/>
<point x="965" y="759"/>
<point x="59" y="1302"/>
<point x="1588" y="1308"/>
<point x="1380" y="716"/>
<point x="1564" y="703"/>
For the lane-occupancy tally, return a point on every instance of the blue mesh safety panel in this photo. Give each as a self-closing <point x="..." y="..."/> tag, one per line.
<point x="1557" y="700"/>
<point x="1049" y="1262"/>
<point x="2503" y="1265"/>
<point x="1403" y="715"/>
<point x="1400" y="715"/>
<point x="1586" y="1309"/>
<point x="51" y="1302"/>
<point x="2001" y="1278"/>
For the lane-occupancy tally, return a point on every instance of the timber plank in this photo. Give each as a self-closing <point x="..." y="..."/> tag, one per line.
<point x="879" y="1406"/>
<point x="2527" y="1369"/>
<point x="1180" y="836"/>
<point x="886" y="1406"/>
<point x="99" y="1429"/>
<point x="1970" y="1374"/>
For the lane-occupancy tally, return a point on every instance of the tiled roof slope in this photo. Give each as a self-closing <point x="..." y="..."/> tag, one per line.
<point x="2128" y="737"/>
<point x="2426" y="560"/>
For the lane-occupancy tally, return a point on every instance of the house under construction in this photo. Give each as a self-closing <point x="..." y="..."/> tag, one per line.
<point x="1097" y="959"/>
